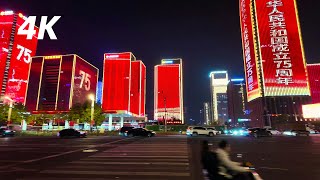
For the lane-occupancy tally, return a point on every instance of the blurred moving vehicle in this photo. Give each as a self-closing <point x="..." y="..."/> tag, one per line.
<point x="71" y="133"/>
<point x="199" y="130"/>
<point x="296" y="133"/>
<point x="239" y="132"/>
<point x="140" y="132"/>
<point x="259" y="132"/>
<point x="124" y="130"/>
<point x="5" y="132"/>
<point x="274" y="132"/>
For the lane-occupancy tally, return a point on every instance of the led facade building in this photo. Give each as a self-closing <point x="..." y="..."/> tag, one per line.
<point x="314" y="80"/>
<point x="58" y="82"/>
<point x="219" y="101"/>
<point x="168" y="91"/>
<point x="15" y="57"/>
<point x="237" y="102"/>
<point x="274" y="61"/>
<point x="123" y="93"/>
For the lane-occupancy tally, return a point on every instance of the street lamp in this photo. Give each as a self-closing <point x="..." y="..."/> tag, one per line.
<point x="10" y="107"/>
<point x="91" y="97"/>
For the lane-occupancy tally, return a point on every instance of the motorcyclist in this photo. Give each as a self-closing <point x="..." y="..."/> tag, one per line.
<point x="230" y="169"/>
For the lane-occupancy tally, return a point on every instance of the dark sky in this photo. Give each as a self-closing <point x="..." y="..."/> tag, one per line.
<point x="204" y="33"/>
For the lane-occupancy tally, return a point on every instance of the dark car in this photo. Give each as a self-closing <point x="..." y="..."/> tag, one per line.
<point x="71" y="133"/>
<point x="124" y="130"/>
<point x="300" y="133"/>
<point x="140" y="132"/>
<point x="4" y="132"/>
<point x="259" y="132"/>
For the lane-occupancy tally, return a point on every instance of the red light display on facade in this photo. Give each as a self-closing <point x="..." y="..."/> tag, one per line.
<point x="314" y="79"/>
<point x="85" y="81"/>
<point x="143" y="90"/>
<point x="116" y="82"/>
<point x="168" y="92"/>
<point x="6" y="23"/>
<point x="280" y="47"/>
<point x="250" y="62"/>
<point x="22" y="51"/>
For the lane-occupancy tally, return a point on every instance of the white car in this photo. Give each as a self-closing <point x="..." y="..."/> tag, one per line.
<point x="274" y="132"/>
<point x="199" y="130"/>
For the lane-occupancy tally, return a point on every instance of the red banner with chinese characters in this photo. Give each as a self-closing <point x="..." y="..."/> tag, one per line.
<point x="22" y="51"/>
<point x="281" y="50"/>
<point x="250" y="64"/>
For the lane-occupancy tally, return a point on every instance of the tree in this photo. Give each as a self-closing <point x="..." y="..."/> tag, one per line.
<point x="76" y="113"/>
<point x="19" y="113"/>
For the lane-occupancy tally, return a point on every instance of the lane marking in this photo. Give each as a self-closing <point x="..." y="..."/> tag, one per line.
<point x="167" y="174"/>
<point x="108" y="156"/>
<point x="132" y="163"/>
<point x="61" y="154"/>
<point x="271" y="168"/>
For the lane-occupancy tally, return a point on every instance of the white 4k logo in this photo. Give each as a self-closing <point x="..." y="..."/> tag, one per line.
<point x="44" y="26"/>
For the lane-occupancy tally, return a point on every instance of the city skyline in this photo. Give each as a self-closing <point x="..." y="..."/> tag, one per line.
<point x="156" y="41"/>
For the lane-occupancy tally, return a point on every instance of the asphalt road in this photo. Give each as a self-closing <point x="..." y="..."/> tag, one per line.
<point x="156" y="158"/>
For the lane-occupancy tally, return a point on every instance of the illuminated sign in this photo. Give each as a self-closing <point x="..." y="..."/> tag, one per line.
<point x="280" y="48"/>
<point x="52" y="57"/>
<point x="119" y="56"/>
<point x="5" y="13"/>
<point x="166" y="61"/>
<point x="311" y="111"/>
<point x="250" y="62"/>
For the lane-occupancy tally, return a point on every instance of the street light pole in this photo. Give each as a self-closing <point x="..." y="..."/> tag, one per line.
<point x="10" y="108"/>
<point x="165" y="114"/>
<point x="91" y="97"/>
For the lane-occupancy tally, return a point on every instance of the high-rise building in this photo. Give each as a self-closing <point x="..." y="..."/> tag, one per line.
<point x="123" y="93"/>
<point x="207" y="113"/>
<point x="58" y="82"/>
<point x="219" y="101"/>
<point x="15" y="57"/>
<point x="274" y="61"/>
<point x="314" y="80"/>
<point x="168" y="91"/>
<point x="237" y="102"/>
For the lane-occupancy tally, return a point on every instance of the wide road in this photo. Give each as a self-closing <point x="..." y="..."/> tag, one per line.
<point x="156" y="158"/>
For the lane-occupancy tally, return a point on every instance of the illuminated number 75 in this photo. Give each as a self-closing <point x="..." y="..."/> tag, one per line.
<point x="85" y="78"/>
<point x="26" y="53"/>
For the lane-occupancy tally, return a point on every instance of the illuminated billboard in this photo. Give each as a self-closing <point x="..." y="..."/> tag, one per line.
<point x="59" y="82"/>
<point x="116" y="82"/>
<point x="168" y="92"/>
<point x="280" y="48"/>
<point x="314" y="81"/>
<point x="15" y="56"/>
<point x="311" y="111"/>
<point x="250" y="61"/>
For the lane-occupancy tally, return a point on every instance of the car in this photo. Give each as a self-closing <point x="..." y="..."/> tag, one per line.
<point x="297" y="133"/>
<point x="216" y="132"/>
<point x="274" y="132"/>
<point x="199" y="130"/>
<point x="259" y="132"/>
<point x="71" y="133"/>
<point x="124" y="130"/>
<point x="4" y="132"/>
<point x="140" y="132"/>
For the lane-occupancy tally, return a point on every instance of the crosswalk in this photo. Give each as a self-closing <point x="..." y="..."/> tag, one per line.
<point x="153" y="158"/>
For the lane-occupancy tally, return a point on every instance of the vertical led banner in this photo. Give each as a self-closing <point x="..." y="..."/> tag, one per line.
<point x="250" y="61"/>
<point x="280" y="48"/>
<point x="6" y="22"/>
<point x="135" y="87"/>
<point x="22" y="51"/>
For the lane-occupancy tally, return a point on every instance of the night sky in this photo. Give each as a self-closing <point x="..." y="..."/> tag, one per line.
<point x="205" y="34"/>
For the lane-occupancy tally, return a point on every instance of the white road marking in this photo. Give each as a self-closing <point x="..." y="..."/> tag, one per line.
<point x="272" y="168"/>
<point x="177" y="174"/>
<point x="108" y="156"/>
<point x="56" y="155"/>
<point x="132" y="163"/>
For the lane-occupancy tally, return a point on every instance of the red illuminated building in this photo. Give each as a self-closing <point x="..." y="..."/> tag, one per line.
<point x="314" y="79"/>
<point x="276" y="76"/>
<point x="168" y="91"/>
<point x="15" y="57"/>
<point x="60" y="81"/>
<point x="124" y="83"/>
